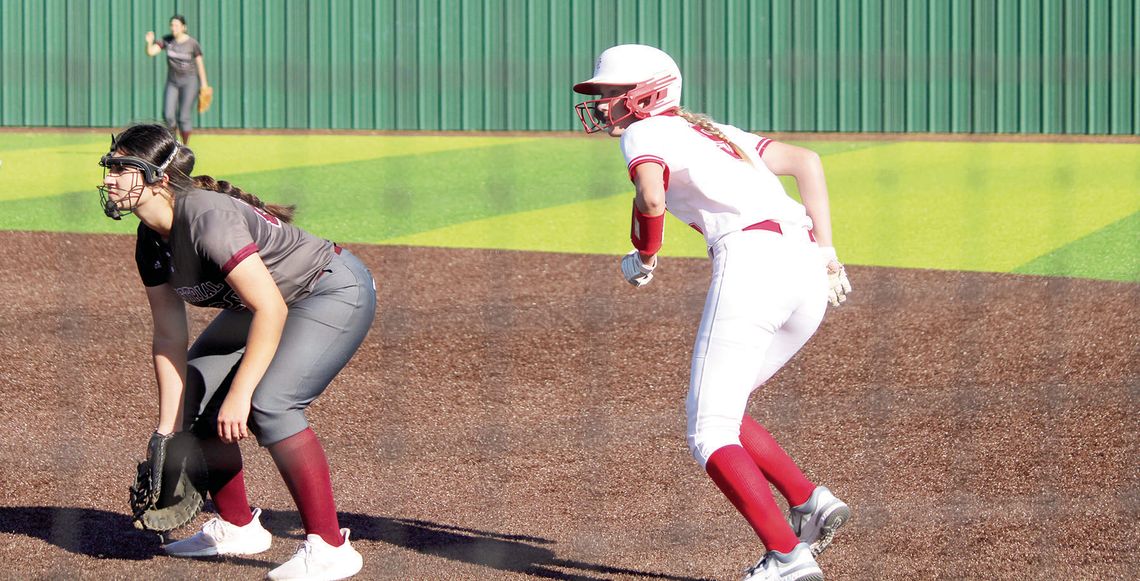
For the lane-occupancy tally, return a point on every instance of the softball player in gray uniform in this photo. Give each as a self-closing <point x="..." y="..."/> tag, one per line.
<point x="773" y="271"/>
<point x="294" y="307"/>
<point x="185" y="75"/>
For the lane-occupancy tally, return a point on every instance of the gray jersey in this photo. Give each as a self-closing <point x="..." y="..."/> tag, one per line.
<point x="180" y="56"/>
<point x="213" y="233"/>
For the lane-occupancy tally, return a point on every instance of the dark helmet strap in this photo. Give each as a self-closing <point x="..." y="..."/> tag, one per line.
<point x="151" y="173"/>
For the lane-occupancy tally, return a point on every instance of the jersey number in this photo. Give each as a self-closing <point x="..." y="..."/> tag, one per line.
<point x="273" y="220"/>
<point x="720" y="144"/>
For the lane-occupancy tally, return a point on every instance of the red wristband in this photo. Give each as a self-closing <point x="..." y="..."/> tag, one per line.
<point x="646" y="232"/>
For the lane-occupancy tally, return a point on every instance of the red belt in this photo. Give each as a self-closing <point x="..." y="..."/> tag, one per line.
<point x="336" y="248"/>
<point x="773" y="226"/>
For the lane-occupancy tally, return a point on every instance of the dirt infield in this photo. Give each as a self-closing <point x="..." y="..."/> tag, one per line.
<point x="503" y="420"/>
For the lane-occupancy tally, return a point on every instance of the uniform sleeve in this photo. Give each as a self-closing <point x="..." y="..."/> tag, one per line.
<point x="151" y="259"/>
<point x="197" y="51"/>
<point x="223" y="237"/>
<point x="644" y="143"/>
<point x="746" y="140"/>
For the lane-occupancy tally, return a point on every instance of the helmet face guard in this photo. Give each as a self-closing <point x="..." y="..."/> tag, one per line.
<point x="642" y="101"/>
<point x="593" y="118"/>
<point x="151" y="173"/>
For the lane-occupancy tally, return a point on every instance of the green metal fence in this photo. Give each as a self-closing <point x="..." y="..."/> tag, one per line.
<point x="984" y="66"/>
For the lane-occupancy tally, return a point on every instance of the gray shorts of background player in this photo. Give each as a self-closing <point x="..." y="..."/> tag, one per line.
<point x="322" y="332"/>
<point x="179" y="103"/>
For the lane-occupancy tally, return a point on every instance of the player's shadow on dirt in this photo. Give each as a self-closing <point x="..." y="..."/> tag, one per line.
<point x="513" y="553"/>
<point x="85" y="531"/>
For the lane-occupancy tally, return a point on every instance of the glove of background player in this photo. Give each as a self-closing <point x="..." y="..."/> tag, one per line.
<point x="164" y="495"/>
<point x="634" y="271"/>
<point x="837" y="284"/>
<point x="205" y="97"/>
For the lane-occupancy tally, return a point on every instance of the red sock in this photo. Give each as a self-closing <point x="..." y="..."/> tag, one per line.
<point x="226" y="481"/>
<point x="741" y="481"/>
<point x="302" y="463"/>
<point x="777" y="466"/>
<point x="185" y="137"/>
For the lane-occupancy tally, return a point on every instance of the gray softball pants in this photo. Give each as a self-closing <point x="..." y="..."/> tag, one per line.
<point x="322" y="332"/>
<point x="180" y="97"/>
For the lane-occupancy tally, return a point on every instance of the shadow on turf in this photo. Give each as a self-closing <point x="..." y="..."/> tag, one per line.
<point x="513" y="553"/>
<point x="85" y="531"/>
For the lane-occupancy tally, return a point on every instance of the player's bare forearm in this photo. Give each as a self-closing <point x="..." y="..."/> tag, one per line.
<point x="806" y="167"/>
<point x="170" y="374"/>
<point x="171" y="338"/>
<point x="813" y="193"/>
<point x="201" y="72"/>
<point x="261" y="345"/>
<point x="259" y="293"/>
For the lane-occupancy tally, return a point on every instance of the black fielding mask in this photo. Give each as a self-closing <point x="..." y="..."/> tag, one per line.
<point x="152" y="174"/>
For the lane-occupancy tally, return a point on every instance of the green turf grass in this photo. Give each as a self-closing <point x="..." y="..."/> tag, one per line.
<point x="1003" y="207"/>
<point x="1111" y="253"/>
<point x="53" y="167"/>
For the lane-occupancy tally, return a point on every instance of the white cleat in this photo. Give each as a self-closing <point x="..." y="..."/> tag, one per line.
<point x="219" y="537"/>
<point x="316" y="560"/>
<point x="798" y="565"/>
<point x="816" y="521"/>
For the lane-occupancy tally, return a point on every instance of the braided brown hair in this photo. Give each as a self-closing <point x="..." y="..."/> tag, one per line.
<point x="282" y="212"/>
<point x="706" y="124"/>
<point x="155" y="143"/>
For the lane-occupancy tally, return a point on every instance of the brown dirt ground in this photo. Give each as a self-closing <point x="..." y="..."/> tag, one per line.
<point x="503" y="421"/>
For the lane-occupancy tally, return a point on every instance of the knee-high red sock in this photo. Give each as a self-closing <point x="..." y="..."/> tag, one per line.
<point x="777" y="466"/>
<point x="226" y="481"/>
<point x="741" y="481"/>
<point x="302" y="463"/>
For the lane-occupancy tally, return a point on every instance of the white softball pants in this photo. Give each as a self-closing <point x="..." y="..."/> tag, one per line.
<point x="767" y="297"/>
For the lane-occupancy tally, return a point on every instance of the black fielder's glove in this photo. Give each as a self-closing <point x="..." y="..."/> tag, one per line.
<point x="165" y="493"/>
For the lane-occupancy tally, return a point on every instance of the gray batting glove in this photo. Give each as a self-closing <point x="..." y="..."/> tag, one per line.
<point x="635" y="271"/>
<point x="838" y="284"/>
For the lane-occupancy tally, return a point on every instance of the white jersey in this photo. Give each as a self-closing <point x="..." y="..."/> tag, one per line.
<point x="707" y="185"/>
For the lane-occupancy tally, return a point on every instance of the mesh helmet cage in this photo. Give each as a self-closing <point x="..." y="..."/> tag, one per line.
<point x="152" y="174"/>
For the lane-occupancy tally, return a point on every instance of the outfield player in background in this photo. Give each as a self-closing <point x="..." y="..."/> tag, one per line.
<point x="185" y="75"/>
<point x="295" y="308"/>
<point x="774" y="270"/>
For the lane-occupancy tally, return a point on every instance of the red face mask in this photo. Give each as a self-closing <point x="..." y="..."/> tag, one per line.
<point x="641" y="101"/>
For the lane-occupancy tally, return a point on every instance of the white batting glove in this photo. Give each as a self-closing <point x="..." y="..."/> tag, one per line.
<point x="635" y="271"/>
<point x="837" y="283"/>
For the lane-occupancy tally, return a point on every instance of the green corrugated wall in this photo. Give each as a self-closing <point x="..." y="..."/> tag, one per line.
<point x="984" y="66"/>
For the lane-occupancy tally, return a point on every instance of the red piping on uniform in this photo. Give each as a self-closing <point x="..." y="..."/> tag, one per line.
<point x="769" y="225"/>
<point x="649" y="159"/>
<point x="239" y="256"/>
<point x="760" y="147"/>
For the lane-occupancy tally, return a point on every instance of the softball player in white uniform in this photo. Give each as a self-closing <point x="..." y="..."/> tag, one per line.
<point x="774" y="270"/>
